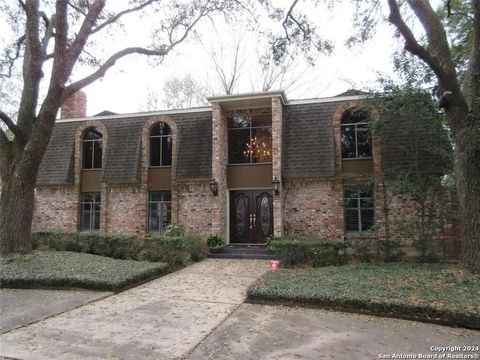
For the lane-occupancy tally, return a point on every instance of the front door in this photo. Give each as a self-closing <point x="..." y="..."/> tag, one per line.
<point x="251" y="216"/>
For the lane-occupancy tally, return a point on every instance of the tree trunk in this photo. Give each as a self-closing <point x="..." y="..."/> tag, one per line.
<point x="467" y="169"/>
<point x="16" y="213"/>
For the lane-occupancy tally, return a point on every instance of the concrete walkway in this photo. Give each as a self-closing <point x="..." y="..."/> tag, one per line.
<point x="163" y="319"/>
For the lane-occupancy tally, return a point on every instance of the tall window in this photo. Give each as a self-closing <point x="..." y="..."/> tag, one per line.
<point x="356" y="135"/>
<point x="92" y="149"/>
<point x="161" y="145"/>
<point x="90" y="212"/>
<point x="359" y="207"/>
<point x="250" y="136"/>
<point x="159" y="211"/>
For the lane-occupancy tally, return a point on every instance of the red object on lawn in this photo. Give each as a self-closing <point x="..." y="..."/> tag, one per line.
<point x="274" y="265"/>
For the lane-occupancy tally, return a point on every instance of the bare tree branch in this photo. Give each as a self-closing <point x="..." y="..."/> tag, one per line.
<point x="290" y="16"/>
<point x="12" y="59"/>
<point x="11" y="124"/>
<point x="120" y="14"/>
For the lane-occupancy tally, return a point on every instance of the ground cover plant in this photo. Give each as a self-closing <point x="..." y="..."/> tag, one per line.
<point x="429" y="291"/>
<point x="70" y="269"/>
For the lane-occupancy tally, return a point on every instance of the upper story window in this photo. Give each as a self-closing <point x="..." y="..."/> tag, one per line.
<point x="250" y="136"/>
<point x="161" y="145"/>
<point x="356" y="136"/>
<point x="92" y="149"/>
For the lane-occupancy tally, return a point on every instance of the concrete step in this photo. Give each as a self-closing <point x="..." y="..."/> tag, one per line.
<point x="242" y="252"/>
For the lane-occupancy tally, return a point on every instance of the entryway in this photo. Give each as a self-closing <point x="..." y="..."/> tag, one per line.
<point x="251" y="216"/>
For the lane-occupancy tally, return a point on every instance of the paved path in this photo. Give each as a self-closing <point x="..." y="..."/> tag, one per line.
<point x="163" y="319"/>
<point x="279" y="332"/>
<point x="20" y="307"/>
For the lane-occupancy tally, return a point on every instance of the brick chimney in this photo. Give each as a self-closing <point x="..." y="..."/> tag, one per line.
<point x="75" y="106"/>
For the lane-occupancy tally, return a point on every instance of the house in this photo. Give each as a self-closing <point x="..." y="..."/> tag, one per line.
<point x="249" y="166"/>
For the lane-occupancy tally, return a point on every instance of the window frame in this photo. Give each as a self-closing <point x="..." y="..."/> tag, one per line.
<point x="358" y="208"/>
<point x="251" y="129"/>
<point x="161" y="206"/>
<point x="160" y="137"/>
<point x="365" y="124"/>
<point x="93" y="142"/>
<point x="93" y="213"/>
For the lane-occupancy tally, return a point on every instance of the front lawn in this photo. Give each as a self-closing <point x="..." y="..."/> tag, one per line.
<point x="428" y="291"/>
<point x="70" y="269"/>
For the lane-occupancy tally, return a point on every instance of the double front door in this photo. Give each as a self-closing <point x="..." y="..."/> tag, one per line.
<point x="251" y="216"/>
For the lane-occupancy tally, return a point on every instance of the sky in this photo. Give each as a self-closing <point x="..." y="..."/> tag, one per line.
<point x="126" y="87"/>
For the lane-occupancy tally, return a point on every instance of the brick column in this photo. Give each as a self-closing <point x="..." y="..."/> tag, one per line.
<point x="277" y="113"/>
<point x="219" y="170"/>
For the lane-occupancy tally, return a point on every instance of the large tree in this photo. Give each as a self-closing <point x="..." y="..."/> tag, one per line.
<point x="54" y="37"/>
<point x="458" y="82"/>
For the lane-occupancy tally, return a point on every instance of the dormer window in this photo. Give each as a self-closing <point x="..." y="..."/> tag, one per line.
<point x="161" y="145"/>
<point x="92" y="149"/>
<point x="356" y="135"/>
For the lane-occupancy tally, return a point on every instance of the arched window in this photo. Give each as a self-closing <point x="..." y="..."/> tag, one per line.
<point x="92" y="149"/>
<point x="356" y="136"/>
<point x="161" y="145"/>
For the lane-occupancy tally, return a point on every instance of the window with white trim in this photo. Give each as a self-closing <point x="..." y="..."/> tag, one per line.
<point x="161" y="145"/>
<point x="159" y="211"/>
<point x="356" y="135"/>
<point x="92" y="149"/>
<point x="359" y="208"/>
<point x="90" y="204"/>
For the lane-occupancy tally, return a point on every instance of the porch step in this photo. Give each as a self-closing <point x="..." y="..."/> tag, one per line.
<point x="259" y="252"/>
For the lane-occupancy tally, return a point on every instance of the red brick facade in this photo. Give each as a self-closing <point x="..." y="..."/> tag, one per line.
<point x="307" y="206"/>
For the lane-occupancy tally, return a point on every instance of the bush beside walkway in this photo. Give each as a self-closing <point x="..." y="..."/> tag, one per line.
<point x="70" y="269"/>
<point x="426" y="291"/>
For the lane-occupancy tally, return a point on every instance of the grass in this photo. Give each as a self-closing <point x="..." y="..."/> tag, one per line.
<point x="70" y="269"/>
<point x="426" y="291"/>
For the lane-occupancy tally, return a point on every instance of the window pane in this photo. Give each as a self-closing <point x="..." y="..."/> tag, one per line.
<point x="239" y="146"/>
<point x="92" y="134"/>
<point x="166" y="151"/>
<point x="367" y="219"/>
<point x="364" y="140"/>
<point x="97" y="153"/>
<point x="348" y="141"/>
<point x="239" y="122"/>
<point x="160" y="129"/>
<point x="87" y="155"/>
<point x="350" y="203"/>
<point x="262" y="120"/>
<point x="350" y="192"/>
<point x="153" y="218"/>
<point x="351" y="220"/>
<point x="155" y="151"/>
<point x="261" y="145"/>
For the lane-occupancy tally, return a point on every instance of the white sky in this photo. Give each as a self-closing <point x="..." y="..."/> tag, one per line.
<point x="124" y="88"/>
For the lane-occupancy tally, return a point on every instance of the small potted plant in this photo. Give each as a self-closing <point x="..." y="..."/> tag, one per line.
<point x="214" y="243"/>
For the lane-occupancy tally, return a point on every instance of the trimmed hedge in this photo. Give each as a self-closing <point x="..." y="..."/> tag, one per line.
<point x="426" y="291"/>
<point x="175" y="251"/>
<point x="70" y="269"/>
<point x="293" y="251"/>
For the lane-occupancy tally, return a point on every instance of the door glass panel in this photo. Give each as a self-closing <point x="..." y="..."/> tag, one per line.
<point x="265" y="215"/>
<point x="241" y="212"/>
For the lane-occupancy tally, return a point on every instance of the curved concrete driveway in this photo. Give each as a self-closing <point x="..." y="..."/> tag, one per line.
<point x="163" y="319"/>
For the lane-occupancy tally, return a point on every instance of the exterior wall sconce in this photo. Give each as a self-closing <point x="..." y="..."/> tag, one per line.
<point x="214" y="187"/>
<point x="276" y="185"/>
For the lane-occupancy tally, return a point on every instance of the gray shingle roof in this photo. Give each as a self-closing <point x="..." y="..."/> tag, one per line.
<point x="123" y="152"/>
<point x="308" y="143"/>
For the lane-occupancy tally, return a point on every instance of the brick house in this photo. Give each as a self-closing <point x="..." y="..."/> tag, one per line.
<point x="249" y="166"/>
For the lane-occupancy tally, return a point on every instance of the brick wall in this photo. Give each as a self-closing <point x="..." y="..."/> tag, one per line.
<point x="195" y="207"/>
<point x="56" y="208"/>
<point x="277" y="115"/>
<point x="311" y="209"/>
<point x="75" y="106"/>
<point x="125" y="210"/>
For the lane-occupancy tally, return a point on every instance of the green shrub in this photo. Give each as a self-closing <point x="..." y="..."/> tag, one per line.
<point x="362" y="251"/>
<point x="214" y="241"/>
<point x="175" y="251"/>
<point x="175" y="230"/>
<point x="390" y="250"/>
<point x="296" y="251"/>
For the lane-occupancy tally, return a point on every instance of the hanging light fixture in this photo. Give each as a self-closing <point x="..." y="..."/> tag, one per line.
<point x="214" y="187"/>
<point x="276" y="185"/>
